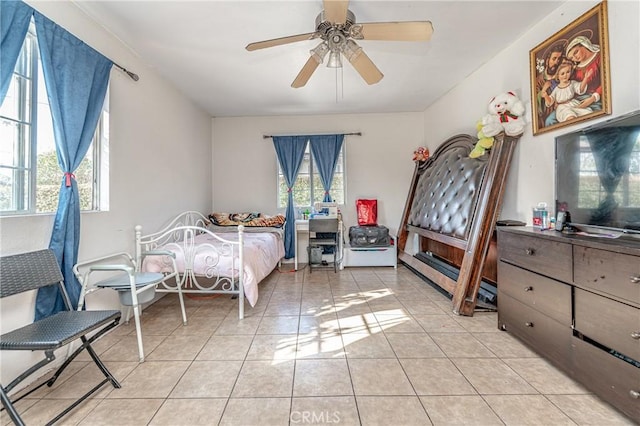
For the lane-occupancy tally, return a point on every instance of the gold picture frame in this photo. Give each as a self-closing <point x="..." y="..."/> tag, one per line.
<point x="570" y="80"/>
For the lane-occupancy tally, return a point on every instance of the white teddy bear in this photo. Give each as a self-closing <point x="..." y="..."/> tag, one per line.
<point x="506" y="114"/>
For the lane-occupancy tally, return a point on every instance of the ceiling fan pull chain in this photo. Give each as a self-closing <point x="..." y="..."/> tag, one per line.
<point x="339" y="85"/>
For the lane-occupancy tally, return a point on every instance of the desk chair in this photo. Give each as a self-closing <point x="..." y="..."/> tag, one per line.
<point x="327" y="226"/>
<point x="134" y="288"/>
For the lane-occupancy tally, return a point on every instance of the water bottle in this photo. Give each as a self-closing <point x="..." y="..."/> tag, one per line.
<point x="541" y="216"/>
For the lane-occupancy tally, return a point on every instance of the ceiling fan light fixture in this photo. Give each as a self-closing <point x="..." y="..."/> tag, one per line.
<point x="319" y="52"/>
<point x="334" y="59"/>
<point x="351" y="50"/>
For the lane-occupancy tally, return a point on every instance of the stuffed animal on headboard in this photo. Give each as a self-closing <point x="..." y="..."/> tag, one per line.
<point x="505" y="114"/>
<point x="421" y="154"/>
<point x="483" y="145"/>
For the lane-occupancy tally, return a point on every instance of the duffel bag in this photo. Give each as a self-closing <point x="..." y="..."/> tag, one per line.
<point x="369" y="236"/>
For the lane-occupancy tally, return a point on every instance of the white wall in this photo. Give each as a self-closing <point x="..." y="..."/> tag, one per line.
<point x="531" y="177"/>
<point x="160" y="162"/>
<point x="379" y="163"/>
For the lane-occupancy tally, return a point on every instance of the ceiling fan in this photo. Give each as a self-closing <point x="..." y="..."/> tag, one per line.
<point x="337" y="28"/>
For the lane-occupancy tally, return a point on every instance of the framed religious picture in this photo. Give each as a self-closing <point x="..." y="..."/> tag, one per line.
<point x="570" y="79"/>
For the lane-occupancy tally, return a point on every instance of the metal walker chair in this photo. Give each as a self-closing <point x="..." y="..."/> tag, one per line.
<point x="134" y="288"/>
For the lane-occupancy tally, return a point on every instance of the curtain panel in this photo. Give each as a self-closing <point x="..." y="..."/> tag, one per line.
<point x="76" y="77"/>
<point x="15" y="17"/>
<point x="326" y="150"/>
<point x="290" y="151"/>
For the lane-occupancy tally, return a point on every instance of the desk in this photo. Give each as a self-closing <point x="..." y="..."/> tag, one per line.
<point x="302" y="225"/>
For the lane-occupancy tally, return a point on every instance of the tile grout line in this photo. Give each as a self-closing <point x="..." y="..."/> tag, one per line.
<point x="346" y="358"/>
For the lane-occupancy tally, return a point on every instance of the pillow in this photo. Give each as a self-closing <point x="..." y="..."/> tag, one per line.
<point x="243" y="217"/>
<point x="232" y="219"/>
<point x="276" y="221"/>
<point x="247" y="219"/>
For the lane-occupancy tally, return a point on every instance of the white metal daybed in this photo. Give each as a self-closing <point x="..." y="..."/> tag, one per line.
<point x="209" y="259"/>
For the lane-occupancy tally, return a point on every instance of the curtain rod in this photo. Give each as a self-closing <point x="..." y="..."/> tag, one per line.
<point x="346" y="134"/>
<point x="133" y="75"/>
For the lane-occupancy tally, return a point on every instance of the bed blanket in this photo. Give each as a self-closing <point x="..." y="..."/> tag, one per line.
<point x="262" y="253"/>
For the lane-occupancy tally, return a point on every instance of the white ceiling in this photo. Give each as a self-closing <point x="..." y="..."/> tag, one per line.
<point x="200" y="47"/>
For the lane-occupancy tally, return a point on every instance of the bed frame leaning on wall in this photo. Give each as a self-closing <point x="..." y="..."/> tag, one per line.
<point x="453" y="204"/>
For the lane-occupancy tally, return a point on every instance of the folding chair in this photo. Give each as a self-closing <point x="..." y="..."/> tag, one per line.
<point x="134" y="288"/>
<point x="30" y="271"/>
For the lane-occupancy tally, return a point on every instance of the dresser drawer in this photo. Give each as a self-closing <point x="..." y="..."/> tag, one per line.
<point x="543" y="334"/>
<point x="608" y="322"/>
<point x="543" y="294"/>
<point x="612" y="273"/>
<point x="612" y="379"/>
<point x="551" y="258"/>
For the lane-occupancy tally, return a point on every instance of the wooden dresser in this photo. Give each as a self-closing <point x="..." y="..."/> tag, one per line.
<point x="576" y="301"/>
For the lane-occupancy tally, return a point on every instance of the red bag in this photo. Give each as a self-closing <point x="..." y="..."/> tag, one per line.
<point x="367" y="212"/>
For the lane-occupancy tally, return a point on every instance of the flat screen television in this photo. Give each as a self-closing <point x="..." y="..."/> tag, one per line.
<point x="598" y="176"/>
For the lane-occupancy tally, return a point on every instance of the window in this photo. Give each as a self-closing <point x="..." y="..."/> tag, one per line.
<point x="30" y="177"/>
<point x="308" y="189"/>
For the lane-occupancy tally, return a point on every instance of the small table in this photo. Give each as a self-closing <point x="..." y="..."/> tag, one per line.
<point x="302" y="225"/>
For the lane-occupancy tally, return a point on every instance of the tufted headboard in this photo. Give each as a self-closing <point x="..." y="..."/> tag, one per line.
<point x="447" y="189"/>
<point x="453" y="204"/>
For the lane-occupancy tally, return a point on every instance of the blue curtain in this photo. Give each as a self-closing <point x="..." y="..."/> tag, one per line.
<point x="326" y="150"/>
<point x="290" y="151"/>
<point x="76" y="77"/>
<point x="15" y="17"/>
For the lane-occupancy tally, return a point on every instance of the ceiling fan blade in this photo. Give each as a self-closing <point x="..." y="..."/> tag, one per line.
<point x="365" y="67"/>
<point x="280" y="41"/>
<point x="396" y="31"/>
<point x="335" y="11"/>
<point x="305" y="73"/>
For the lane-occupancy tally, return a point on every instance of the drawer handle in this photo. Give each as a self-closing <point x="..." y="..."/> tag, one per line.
<point x="635" y="279"/>
<point x="529" y="324"/>
<point x="528" y="288"/>
<point x="635" y="335"/>
<point x="634" y="394"/>
<point x="530" y="251"/>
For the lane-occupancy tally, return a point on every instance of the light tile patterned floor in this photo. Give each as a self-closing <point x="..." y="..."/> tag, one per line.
<point x="364" y="346"/>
